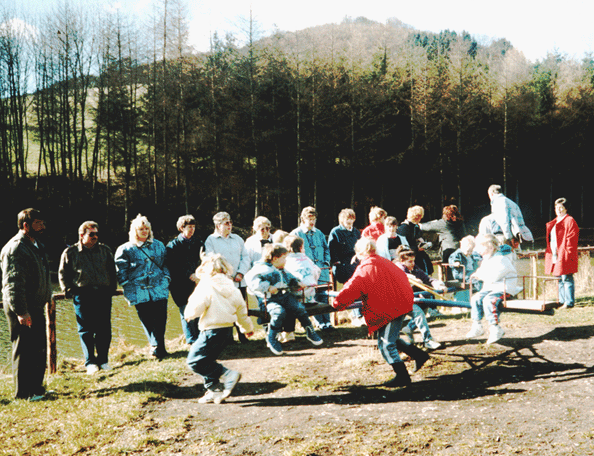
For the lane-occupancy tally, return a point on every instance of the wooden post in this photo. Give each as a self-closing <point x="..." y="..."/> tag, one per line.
<point x="52" y="351"/>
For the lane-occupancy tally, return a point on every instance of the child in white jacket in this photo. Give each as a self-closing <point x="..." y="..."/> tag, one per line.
<point x="219" y="305"/>
<point x="499" y="277"/>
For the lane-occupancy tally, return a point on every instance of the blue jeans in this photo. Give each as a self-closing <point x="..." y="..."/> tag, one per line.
<point x="567" y="290"/>
<point x="203" y="354"/>
<point x="92" y="308"/>
<point x="283" y="305"/>
<point x="388" y="340"/>
<point x="486" y="303"/>
<point x="190" y="328"/>
<point x="419" y="321"/>
<point x="323" y="320"/>
<point x="153" y="316"/>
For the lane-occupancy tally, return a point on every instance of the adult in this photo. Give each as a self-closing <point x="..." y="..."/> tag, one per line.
<point x="561" y="255"/>
<point x="341" y="242"/>
<point x="232" y="248"/>
<point x="26" y="290"/>
<point x="376" y="223"/>
<point x="410" y="230"/>
<point x="388" y="242"/>
<point x="387" y="298"/>
<point x="87" y="275"/>
<point x="141" y="271"/>
<point x="182" y="258"/>
<point x="259" y="239"/>
<point x="509" y="217"/>
<point x="316" y="248"/>
<point x="450" y="230"/>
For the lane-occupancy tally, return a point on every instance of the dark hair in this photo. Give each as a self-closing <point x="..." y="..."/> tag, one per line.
<point x="403" y="252"/>
<point x="28" y="216"/>
<point x="272" y="251"/>
<point x="449" y="212"/>
<point x="293" y="243"/>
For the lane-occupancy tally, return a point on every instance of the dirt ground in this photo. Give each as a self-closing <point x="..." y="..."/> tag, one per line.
<point x="530" y="394"/>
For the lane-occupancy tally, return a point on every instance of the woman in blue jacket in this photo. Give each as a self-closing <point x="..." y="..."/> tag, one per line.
<point x="142" y="273"/>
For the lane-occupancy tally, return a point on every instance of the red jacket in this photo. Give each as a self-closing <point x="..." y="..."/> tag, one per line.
<point x="567" y="233"/>
<point x="374" y="230"/>
<point x="384" y="288"/>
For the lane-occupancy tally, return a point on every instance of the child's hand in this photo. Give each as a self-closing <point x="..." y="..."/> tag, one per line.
<point x="273" y="290"/>
<point x="457" y="264"/>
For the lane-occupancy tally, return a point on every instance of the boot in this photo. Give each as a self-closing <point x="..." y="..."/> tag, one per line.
<point x="415" y="353"/>
<point x="401" y="379"/>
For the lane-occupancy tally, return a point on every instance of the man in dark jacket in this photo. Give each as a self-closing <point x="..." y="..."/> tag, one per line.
<point x="26" y="290"/>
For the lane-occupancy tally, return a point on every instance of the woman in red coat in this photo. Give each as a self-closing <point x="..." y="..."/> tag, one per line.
<point x="387" y="298"/>
<point x="561" y="256"/>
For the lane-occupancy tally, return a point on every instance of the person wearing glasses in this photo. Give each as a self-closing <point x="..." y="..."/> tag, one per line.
<point x="87" y="275"/>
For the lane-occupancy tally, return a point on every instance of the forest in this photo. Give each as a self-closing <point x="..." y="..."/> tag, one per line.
<point x="103" y="117"/>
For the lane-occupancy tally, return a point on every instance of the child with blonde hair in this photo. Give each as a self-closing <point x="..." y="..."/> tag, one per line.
<point x="219" y="305"/>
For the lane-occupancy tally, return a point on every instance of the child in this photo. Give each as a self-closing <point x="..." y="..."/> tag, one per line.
<point x="268" y="280"/>
<point x="464" y="256"/>
<point x="387" y="298"/>
<point x="219" y="305"/>
<point x="406" y="262"/>
<point x="376" y="223"/>
<point x="499" y="277"/>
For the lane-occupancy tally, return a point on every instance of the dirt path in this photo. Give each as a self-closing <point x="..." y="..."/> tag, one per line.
<point x="531" y="394"/>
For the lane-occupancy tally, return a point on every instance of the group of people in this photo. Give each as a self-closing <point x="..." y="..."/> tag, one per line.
<point x="285" y="272"/>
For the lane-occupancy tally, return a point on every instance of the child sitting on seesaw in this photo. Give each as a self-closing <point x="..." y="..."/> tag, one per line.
<point x="464" y="256"/>
<point x="387" y="298"/>
<point x="268" y="280"/>
<point x="499" y="277"/>
<point x="219" y="305"/>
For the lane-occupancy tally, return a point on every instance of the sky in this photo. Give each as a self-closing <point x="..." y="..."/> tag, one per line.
<point x="535" y="27"/>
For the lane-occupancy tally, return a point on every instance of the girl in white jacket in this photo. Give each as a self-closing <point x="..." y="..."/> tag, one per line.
<point x="219" y="305"/>
<point x="499" y="277"/>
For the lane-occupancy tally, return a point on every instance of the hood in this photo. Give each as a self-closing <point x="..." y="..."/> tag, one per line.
<point x="223" y="285"/>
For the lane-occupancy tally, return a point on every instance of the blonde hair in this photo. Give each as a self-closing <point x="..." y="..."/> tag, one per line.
<point x="365" y="247"/>
<point x="213" y="264"/>
<point x="137" y="223"/>
<point x="307" y="211"/>
<point x="345" y="214"/>
<point x="415" y="211"/>
<point x="221" y="217"/>
<point x="260" y="222"/>
<point x="487" y="239"/>
<point x="185" y="220"/>
<point x="467" y="240"/>
<point x="376" y="213"/>
<point x="279" y="236"/>
<point x="391" y="221"/>
<point x="293" y="243"/>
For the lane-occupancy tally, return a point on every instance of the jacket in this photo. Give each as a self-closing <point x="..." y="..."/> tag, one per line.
<point x="509" y="217"/>
<point x="498" y="274"/>
<point x="384" y="289"/>
<point x="264" y="275"/>
<point x="25" y="275"/>
<point x="219" y="304"/>
<point x="374" y="230"/>
<point x="565" y="261"/>
<point x="300" y="266"/>
<point x="470" y="262"/>
<point x="386" y="246"/>
<point x="142" y="272"/>
<point x="450" y="232"/>
<point x="232" y="248"/>
<point x="341" y="243"/>
<point x="316" y="248"/>
<point x="182" y="258"/>
<point x="81" y="267"/>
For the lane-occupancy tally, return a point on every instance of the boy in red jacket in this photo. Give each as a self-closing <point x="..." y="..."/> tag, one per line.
<point x="387" y="298"/>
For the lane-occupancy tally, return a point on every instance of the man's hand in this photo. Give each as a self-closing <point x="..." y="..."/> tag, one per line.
<point x="25" y="320"/>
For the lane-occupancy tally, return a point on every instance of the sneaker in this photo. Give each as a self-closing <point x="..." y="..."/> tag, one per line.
<point x="312" y="336"/>
<point x="92" y="369"/>
<point x="360" y="321"/>
<point x="212" y="396"/>
<point x="36" y="398"/>
<point x="432" y="344"/>
<point x="433" y="313"/>
<point x="285" y="337"/>
<point x="496" y="332"/>
<point x="229" y="379"/>
<point x="105" y="367"/>
<point x="273" y="343"/>
<point x="475" y="331"/>
<point x="409" y="334"/>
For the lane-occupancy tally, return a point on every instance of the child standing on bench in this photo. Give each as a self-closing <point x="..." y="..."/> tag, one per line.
<point x="499" y="277"/>
<point x="268" y="280"/>
<point x="219" y="305"/>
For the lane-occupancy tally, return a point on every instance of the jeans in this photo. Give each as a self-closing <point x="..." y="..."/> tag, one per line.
<point x="388" y="340"/>
<point x="486" y="303"/>
<point x="419" y="321"/>
<point x="92" y="308"/>
<point x="283" y="305"/>
<point x="323" y="320"/>
<point x="567" y="290"/>
<point x="190" y="328"/>
<point x="203" y="354"/>
<point x="153" y="316"/>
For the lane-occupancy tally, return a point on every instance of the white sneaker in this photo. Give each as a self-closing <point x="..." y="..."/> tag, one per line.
<point x="229" y="379"/>
<point x="432" y="344"/>
<point x="105" y="367"/>
<point x="285" y="337"/>
<point x="360" y="321"/>
<point x="409" y="334"/>
<point x="475" y="331"/>
<point x="496" y="332"/>
<point x="212" y="397"/>
<point x="92" y="369"/>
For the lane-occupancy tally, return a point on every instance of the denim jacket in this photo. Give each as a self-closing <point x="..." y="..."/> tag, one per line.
<point x="263" y="275"/>
<point x="142" y="272"/>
